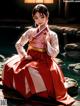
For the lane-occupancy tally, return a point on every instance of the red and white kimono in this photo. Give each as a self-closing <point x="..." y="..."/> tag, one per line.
<point x="39" y="75"/>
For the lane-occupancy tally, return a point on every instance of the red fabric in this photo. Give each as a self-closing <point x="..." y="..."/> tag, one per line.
<point x="49" y="71"/>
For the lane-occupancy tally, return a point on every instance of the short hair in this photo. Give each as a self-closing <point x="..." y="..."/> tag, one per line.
<point x="41" y="9"/>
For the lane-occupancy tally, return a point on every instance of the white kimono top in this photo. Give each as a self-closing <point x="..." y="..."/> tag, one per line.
<point x="51" y="44"/>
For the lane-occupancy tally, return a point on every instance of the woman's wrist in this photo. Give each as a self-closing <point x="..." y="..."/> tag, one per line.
<point x="26" y="56"/>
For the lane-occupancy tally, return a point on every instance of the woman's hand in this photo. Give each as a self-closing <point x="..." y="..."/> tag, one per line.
<point x="28" y="57"/>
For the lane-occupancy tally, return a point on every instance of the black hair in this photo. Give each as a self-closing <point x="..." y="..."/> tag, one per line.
<point x="41" y="9"/>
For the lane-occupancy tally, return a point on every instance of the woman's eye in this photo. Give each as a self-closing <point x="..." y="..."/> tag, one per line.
<point x="42" y="16"/>
<point x="35" y="18"/>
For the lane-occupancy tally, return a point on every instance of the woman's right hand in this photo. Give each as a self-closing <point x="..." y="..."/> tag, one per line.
<point x="27" y="57"/>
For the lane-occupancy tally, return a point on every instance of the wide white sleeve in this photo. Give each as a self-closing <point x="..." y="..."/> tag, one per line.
<point x="21" y="42"/>
<point x="53" y="45"/>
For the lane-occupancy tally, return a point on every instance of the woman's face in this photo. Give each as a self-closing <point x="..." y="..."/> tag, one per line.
<point x="40" y="19"/>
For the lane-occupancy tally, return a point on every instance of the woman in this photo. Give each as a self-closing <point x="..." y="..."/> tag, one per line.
<point x="34" y="71"/>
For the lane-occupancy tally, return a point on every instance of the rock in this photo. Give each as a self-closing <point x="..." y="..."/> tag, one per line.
<point x="71" y="66"/>
<point x="75" y="68"/>
<point x="59" y="61"/>
<point x="72" y="50"/>
<point x="73" y="54"/>
<point x="2" y="58"/>
<point x="72" y="46"/>
<point x="1" y="67"/>
<point x="71" y="85"/>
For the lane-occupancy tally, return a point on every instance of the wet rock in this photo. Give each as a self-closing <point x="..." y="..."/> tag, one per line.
<point x="1" y="68"/>
<point x="72" y="50"/>
<point x="2" y="58"/>
<point x="71" y="85"/>
<point x="59" y="61"/>
<point x="72" y="46"/>
<point x="75" y="68"/>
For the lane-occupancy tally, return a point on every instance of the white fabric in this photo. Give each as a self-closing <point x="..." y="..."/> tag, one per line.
<point x="26" y="86"/>
<point x="52" y="46"/>
<point x="37" y="80"/>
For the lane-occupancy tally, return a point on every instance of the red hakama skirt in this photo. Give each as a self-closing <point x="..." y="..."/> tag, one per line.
<point x="40" y="76"/>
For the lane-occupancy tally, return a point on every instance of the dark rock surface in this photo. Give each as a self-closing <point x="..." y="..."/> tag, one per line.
<point x="72" y="50"/>
<point x="75" y="68"/>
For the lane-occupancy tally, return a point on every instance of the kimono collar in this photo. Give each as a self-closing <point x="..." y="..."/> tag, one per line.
<point x="46" y="28"/>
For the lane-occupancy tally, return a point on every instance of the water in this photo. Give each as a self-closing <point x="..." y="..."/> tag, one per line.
<point x="70" y="73"/>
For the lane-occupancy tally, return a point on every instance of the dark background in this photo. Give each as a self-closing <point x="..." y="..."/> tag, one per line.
<point x="17" y="11"/>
